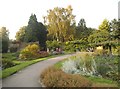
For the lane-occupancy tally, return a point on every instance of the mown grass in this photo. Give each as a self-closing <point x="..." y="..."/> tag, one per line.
<point x="10" y="56"/>
<point x="59" y="64"/>
<point x="100" y="80"/>
<point x="9" y="71"/>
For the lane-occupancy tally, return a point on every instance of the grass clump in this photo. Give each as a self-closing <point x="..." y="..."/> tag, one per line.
<point x="53" y="77"/>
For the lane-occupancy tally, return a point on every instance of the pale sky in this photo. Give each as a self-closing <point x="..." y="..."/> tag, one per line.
<point x="15" y="13"/>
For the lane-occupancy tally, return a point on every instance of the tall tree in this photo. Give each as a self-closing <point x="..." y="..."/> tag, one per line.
<point x="115" y="26"/>
<point x="36" y="31"/>
<point x="103" y="36"/>
<point x="20" y="35"/>
<point x="32" y="29"/>
<point x="98" y="37"/>
<point x="81" y="31"/>
<point x="4" y="38"/>
<point x="82" y="23"/>
<point x="105" y="25"/>
<point x="61" y="23"/>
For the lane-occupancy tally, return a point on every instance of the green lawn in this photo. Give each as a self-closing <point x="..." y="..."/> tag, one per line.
<point x="10" y="56"/>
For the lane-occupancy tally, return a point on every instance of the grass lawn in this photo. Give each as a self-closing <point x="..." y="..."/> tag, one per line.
<point x="9" y="71"/>
<point x="101" y="82"/>
<point x="10" y="56"/>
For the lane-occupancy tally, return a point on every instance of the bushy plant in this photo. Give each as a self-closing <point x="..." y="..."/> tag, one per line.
<point x="70" y="67"/>
<point x="32" y="51"/>
<point x="77" y="45"/>
<point x="42" y="54"/>
<point x="101" y="52"/>
<point x="107" y="66"/>
<point x="89" y="65"/>
<point x="7" y="63"/>
<point x="53" y="77"/>
<point x="69" y="47"/>
<point x="83" y="65"/>
<point x="54" y="44"/>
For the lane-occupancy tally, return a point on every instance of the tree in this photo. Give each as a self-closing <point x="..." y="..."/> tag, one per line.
<point x="115" y="26"/>
<point x="102" y="36"/>
<point x="82" y="23"/>
<point x="105" y="25"/>
<point x="42" y="35"/>
<point x="4" y="36"/>
<point x="32" y="29"/>
<point x="36" y="31"/>
<point x="98" y="37"/>
<point x="82" y="32"/>
<point x="61" y="23"/>
<point x="20" y="35"/>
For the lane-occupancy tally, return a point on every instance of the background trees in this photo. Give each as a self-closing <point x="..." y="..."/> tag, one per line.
<point x="34" y="31"/>
<point x="81" y="31"/>
<point x="106" y="36"/>
<point x="4" y="37"/>
<point x="20" y="35"/>
<point x="61" y="23"/>
<point x="115" y="26"/>
<point x="99" y="37"/>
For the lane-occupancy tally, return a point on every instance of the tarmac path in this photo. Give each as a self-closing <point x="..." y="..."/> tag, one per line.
<point x="29" y="76"/>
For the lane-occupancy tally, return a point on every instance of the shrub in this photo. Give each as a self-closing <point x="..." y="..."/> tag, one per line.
<point x="7" y="63"/>
<point x="53" y="77"/>
<point x="107" y="66"/>
<point x="43" y="54"/>
<point x="32" y="51"/>
<point x="70" y="66"/>
<point x="53" y="44"/>
<point x="77" y="45"/>
<point x="80" y="64"/>
<point x="101" y="52"/>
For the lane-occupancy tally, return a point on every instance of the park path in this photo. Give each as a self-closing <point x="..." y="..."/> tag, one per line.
<point x="29" y="77"/>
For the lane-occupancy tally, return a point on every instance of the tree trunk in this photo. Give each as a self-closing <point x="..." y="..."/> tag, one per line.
<point x="110" y="50"/>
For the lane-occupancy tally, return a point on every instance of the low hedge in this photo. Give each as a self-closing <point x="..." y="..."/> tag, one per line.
<point x="53" y="77"/>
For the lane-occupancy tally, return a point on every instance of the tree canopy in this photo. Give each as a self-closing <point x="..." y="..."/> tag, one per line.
<point x="4" y="38"/>
<point x="81" y="31"/>
<point x="20" y="35"/>
<point x="36" y="31"/>
<point x="61" y="23"/>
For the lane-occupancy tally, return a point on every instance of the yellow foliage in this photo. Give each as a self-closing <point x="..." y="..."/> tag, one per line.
<point x="30" y="51"/>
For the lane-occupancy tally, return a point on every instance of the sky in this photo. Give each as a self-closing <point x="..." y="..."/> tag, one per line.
<point x="15" y="13"/>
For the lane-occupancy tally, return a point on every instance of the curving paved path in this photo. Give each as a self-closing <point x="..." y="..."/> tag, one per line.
<point x="29" y="77"/>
